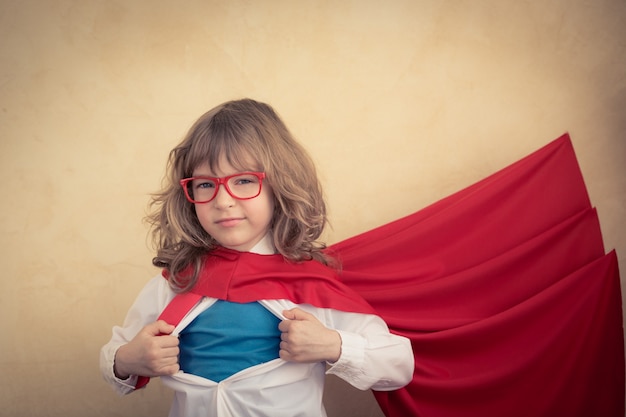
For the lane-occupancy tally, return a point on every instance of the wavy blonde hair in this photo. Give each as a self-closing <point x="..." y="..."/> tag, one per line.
<point x="242" y="131"/>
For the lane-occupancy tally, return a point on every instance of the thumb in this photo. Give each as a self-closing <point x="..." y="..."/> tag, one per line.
<point x="296" y="314"/>
<point x="160" y="327"/>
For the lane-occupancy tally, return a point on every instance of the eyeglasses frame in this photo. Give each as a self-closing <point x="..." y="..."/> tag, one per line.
<point x="221" y="181"/>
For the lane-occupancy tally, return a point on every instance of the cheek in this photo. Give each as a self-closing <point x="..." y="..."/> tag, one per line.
<point x="270" y="204"/>
<point x="202" y="213"/>
<point x="262" y="210"/>
<point x="271" y="209"/>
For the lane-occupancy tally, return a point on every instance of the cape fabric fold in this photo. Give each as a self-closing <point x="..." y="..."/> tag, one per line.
<point x="511" y="304"/>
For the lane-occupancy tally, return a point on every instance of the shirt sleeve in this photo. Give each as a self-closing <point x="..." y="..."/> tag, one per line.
<point x="371" y="357"/>
<point x="147" y="306"/>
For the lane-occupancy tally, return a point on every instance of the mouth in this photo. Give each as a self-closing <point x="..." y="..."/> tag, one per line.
<point x="229" y="222"/>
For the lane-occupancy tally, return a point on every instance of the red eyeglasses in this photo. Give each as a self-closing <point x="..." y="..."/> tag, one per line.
<point x="242" y="186"/>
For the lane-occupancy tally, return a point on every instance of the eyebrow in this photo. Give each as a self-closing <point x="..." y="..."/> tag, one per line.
<point x="195" y="174"/>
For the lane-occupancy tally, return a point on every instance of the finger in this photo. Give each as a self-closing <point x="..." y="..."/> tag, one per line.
<point x="297" y="314"/>
<point x="171" y="370"/>
<point x="158" y="328"/>
<point x="166" y="363"/>
<point x="164" y="328"/>
<point x="284" y="352"/>
<point x="167" y="342"/>
<point x="288" y="314"/>
<point x="170" y="353"/>
<point x="284" y="326"/>
<point x="284" y="355"/>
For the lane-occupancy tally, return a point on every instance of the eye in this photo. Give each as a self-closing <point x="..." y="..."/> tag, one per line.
<point x="245" y="180"/>
<point x="203" y="184"/>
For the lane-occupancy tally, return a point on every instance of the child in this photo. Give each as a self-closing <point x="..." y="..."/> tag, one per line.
<point x="236" y="225"/>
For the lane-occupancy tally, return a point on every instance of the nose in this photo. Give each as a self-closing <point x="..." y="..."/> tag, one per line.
<point x="223" y="199"/>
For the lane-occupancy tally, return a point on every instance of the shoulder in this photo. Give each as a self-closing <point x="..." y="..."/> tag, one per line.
<point x="157" y="290"/>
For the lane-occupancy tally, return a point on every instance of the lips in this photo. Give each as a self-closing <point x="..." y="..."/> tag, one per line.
<point x="229" y="222"/>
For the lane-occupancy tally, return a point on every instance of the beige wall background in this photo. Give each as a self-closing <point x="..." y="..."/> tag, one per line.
<point x="400" y="103"/>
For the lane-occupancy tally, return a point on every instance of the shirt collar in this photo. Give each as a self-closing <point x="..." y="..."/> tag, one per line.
<point x="265" y="246"/>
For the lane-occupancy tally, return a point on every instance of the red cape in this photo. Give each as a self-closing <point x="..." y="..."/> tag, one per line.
<point x="244" y="277"/>
<point x="504" y="288"/>
<point x="511" y="304"/>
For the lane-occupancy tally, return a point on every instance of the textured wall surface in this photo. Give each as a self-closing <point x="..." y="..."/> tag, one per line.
<point x="400" y="103"/>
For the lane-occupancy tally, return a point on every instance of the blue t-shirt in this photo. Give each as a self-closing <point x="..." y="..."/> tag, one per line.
<point x="227" y="338"/>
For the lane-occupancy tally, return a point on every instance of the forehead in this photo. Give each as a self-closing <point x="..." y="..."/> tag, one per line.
<point x="225" y="166"/>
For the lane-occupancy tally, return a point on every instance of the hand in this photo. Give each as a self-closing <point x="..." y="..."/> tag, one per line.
<point x="305" y="339"/>
<point x="151" y="353"/>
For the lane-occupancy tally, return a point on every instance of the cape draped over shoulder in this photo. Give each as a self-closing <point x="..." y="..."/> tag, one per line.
<point x="244" y="277"/>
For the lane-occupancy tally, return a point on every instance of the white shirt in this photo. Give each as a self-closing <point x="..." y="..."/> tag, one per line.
<point x="371" y="357"/>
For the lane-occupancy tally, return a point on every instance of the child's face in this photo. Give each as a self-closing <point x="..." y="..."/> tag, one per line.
<point x="235" y="224"/>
